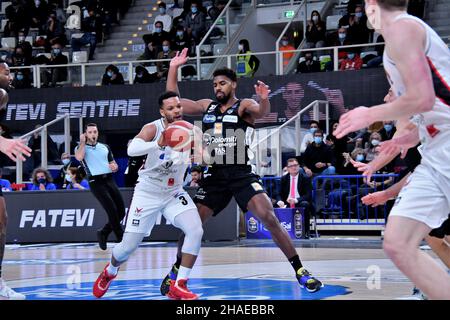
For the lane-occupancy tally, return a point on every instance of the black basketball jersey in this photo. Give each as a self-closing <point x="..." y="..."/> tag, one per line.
<point x="227" y="136"/>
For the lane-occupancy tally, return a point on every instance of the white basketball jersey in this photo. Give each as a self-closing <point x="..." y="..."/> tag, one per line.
<point x="434" y="125"/>
<point x="165" y="168"/>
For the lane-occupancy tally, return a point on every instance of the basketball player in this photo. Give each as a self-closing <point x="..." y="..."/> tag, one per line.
<point x="228" y="124"/>
<point x="417" y="63"/>
<point x="159" y="190"/>
<point x="14" y="149"/>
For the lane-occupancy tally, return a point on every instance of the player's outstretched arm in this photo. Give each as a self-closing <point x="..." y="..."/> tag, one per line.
<point x="144" y="142"/>
<point x="381" y="197"/>
<point x="261" y="109"/>
<point x="14" y="148"/>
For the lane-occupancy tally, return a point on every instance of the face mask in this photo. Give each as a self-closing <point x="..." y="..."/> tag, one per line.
<point x="284" y="43"/>
<point x="180" y="33"/>
<point x="360" y="157"/>
<point x="65" y="161"/>
<point x="342" y="36"/>
<point x="312" y="130"/>
<point x="41" y="181"/>
<point x="375" y="142"/>
<point x="21" y="39"/>
<point x="194" y="9"/>
<point x="388" y="127"/>
<point x="68" y="178"/>
<point x="240" y="47"/>
<point x="351" y="56"/>
<point x="317" y="140"/>
<point x="315" y="18"/>
<point x="358" y="14"/>
<point x="158" y="30"/>
<point x="109" y="74"/>
<point x="19" y="77"/>
<point x="166" y="48"/>
<point x="162" y="10"/>
<point x="56" y="51"/>
<point x="139" y="75"/>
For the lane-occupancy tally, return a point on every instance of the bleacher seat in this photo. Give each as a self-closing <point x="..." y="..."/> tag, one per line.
<point x="4" y="6"/>
<point x="47" y="54"/>
<point x="218" y="48"/>
<point x="9" y="42"/>
<point x="323" y="61"/>
<point x="4" y="22"/>
<point x="333" y="22"/>
<point x="79" y="57"/>
<point x="206" y="48"/>
<point x="151" y="69"/>
<point x="67" y="54"/>
<point x="29" y="39"/>
<point x="77" y="35"/>
<point x="366" y="53"/>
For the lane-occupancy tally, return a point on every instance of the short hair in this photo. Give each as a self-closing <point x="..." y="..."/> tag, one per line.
<point x="91" y="124"/>
<point x="227" y="72"/>
<point x="393" y="4"/>
<point x="314" y="121"/>
<point x="292" y="160"/>
<point x="166" y="95"/>
<point x="318" y="131"/>
<point x="159" y="21"/>
<point x="162" y="4"/>
<point x="197" y="169"/>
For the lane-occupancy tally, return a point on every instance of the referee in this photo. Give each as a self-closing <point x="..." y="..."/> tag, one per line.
<point x="99" y="164"/>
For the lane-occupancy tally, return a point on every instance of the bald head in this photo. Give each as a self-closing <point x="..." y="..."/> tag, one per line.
<point x="5" y="76"/>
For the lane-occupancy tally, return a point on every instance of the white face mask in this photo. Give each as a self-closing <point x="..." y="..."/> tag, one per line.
<point x="375" y="142"/>
<point x="315" y="18"/>
<point x="240" y="47"/>
<point x="68" y="177"/>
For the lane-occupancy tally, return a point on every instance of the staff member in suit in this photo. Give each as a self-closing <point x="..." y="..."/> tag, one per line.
<point x="296" y="190"/>
<point x="99" y="164"/>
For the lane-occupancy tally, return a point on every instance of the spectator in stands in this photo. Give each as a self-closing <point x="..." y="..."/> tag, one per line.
<point x="286" y="46"/>
<point x="143" y="76"/>
<point x="195" y="22"/>
<point x="308" y="138"/>
<point x="181" y="40"/>
<point x="216" y="9"/>
<point x="51" y="76"/>
<point x="196" y="177"/>
<point x="247" y="64"/>
<point x="164" y="17"/>
<point x="150" y="53"/>
<point x="21" y="80"/>
<point x="76" y="180"/>
<point x="376" y="61"/>
<point x="388" y="131"/>
<point x="112" y="76"/>
<point x="4" y="184"/>
<point x="318" y="157"/>
<point x="338" y="146"/>
<point x="54" y="30"/>
<point x="38" y="11"/>
<point x="35" y="145"/>
<point x="17" y="19"/>
<point x="352" y="62"/>
<point x="157" y="37"/>
<point x="309" y="65"/>
<point x="25" y="45"/>
<point x="358" y="31"/>
<point x="166" y="53"/>
<point x="91" y="27"/>
<point x="42" y="180"/>
<point x="358" y="154"/>
<point x="315" y="31"/>
<point x="372" y="147"/>
<point x="60" y="180"/>
<point x="296" y="192"/>
<point x="18" y="58"/>
<point x="341" y="38"/>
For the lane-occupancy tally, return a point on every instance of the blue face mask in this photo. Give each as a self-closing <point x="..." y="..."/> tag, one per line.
<point x="41" y="181"/>
<point x="56" y="51"/>
<point x="180" y="33"/>
<point x="194" y="9"/>
<point x="375" y="142"/>
<point x="360" y="157"/>
<point x="388" y="127"/>
<point x="158" y="30"/>
<point x="162" y="10"/>
<point x="318" y="140"/>
<point x="342" y="36"/>
<point x="165" y="48"/>
<point x="19" y="77"/>
<point x="312" y="130"/>
<point x="109" y="74"/>
<point x="65" y="161"/>
<point x="358" y="14"/>
<point x="351" y="55"/>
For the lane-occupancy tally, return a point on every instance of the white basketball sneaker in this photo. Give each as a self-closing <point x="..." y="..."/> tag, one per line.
<point x="6" y="293"/>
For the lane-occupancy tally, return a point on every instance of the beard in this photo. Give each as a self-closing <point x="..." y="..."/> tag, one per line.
<point x="223" y="99"/>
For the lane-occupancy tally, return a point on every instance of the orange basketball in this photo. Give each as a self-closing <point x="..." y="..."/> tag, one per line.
<point x="179" y="135"/>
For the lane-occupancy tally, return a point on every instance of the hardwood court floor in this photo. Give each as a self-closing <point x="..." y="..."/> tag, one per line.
<point x="249" y="269"/>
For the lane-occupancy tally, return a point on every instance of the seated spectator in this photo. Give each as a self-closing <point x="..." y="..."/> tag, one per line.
<point x="338" y="146"/>
<point x="318" y="157"/>
<point x="21" y="80"/>
<point x="157" y="37"/>
<point x="38" y="12"/>
<point x="91" y="26"/>
<point x="25" y="45"/>
<point x="195" y="22"/>
<point x="143" y="76"/>
<point x="296" y="192"/>
<point x="248" y="64"/>
<point x="309" y="137"/>
<point x="181" y="40"/>
<point x="4" y="184"/>
<point x="54" y="30"/>
<point x="315" y="31"/>
<point x="150" y="53"/>
<point x="286" y="46"/>
<point x="215" y="10"/>
<point x="341" y="38"/>
<point x="374" y="62"/>
<point x="372" y="147"/>
<point x="309" y="65"/>
<point x="42" y="180"/>
<point x="60" y="180"/>
<point x="76" y="180"/>
<point x="196" y="177"/>
<point x="352" y="62"/>
<point x="359" y="155"/>
<point x="17" y="17"/>
<point x="358" y="31"/>
<point x="166" y="53"/>
<point x="388" y="131"/>
<point x="112" y="76"/>
<point x="18" y="58"/>
<point x="50" y="76"/>
<point x="163" y="17"/>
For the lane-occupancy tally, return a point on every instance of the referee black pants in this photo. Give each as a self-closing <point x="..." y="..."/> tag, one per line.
<point x="107" y="193"/>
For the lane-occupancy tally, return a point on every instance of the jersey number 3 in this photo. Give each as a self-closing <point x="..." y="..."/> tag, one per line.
<point x="183" y="200"/>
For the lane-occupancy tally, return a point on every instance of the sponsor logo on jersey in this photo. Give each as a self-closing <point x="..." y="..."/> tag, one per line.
<point x="230" y="111"/>
<point x="209" y="118"/>
<point x="167" y="165"/>
<point x="135" y="222"/>
<point x="217" y="128"/>
<point x="138" y="211"/>
<point x="230" y="118"/>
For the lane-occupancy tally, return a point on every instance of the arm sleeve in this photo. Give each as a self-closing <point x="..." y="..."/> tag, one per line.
<point x="139" y="147"/>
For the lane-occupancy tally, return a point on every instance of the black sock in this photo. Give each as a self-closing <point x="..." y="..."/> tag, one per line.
<point x="178" y="262"/>
<point x="295" y="262"/>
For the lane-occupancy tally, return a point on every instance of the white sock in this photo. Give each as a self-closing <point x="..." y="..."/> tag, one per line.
<point x="112" y="271"/>
<point x="183" y="273"/>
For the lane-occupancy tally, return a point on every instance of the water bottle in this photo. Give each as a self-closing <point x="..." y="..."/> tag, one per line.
<point x="298" y="224"/>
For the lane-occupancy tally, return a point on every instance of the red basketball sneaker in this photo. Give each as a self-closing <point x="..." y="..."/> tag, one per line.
<point x="179" y="291"/>
<point x="102" y="283"/>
